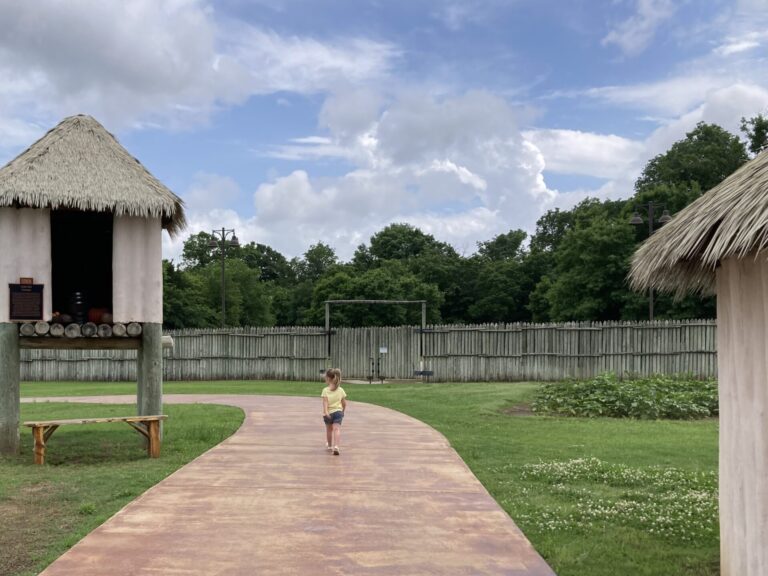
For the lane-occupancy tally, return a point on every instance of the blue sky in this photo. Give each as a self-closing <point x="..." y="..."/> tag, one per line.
<point x="298" y="121"/>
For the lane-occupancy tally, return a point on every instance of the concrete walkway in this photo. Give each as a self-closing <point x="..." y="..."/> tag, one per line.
<point x="271" y="500"/>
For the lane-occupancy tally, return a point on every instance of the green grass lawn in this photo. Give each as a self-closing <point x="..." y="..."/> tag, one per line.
<point x="90" y="473"/>
<point x="625" y="497"/>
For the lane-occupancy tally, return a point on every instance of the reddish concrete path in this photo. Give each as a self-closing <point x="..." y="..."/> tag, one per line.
<point x="271" y="500"/>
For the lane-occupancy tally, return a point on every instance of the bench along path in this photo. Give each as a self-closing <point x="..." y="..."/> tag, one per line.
<point x="271" y="500"/>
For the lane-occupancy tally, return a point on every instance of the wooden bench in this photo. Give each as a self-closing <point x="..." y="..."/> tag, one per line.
<point x="147" y="426"/>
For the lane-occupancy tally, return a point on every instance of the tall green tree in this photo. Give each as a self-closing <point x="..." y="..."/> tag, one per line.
<point x="756" y="131"/>
<point x="317" y="261"/>
<point x="544" y="267"/>
<point x="247" y="298"/>
<point x="539" y="264"/>
<point x="501" y="283"/>
<point x="272" y="266"/>
<point x="580" y="258"/>
<point x="403" y="242"/>
<point x="185" y="304"/>
<point x="197" y="252"/>
<point x="390" y="281"/>
<point x="430" y="260"/>
<point x="706" y="156"/>
<point x="501" y="293"/>
<point x="503" y="247"/>
<point x="589" y="281"/>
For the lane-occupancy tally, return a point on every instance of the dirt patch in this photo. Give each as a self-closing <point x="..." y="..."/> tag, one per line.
<point x="30" y="512"/>
<point x="518" y="410"/>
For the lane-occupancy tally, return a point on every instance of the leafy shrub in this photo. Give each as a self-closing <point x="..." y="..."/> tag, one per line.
<point x="647" y="398"/>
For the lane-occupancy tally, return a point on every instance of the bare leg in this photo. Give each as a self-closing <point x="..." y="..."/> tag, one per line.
<point x="336" y="434"/>
<point x="329" y="434"/>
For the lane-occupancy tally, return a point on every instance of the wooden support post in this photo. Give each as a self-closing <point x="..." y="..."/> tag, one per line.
<point x="421" y="336"/>
<point x="150" y="371"/>
<point x="328" y="331"/>
<point x="742" y="333"/>
<point x="10" y="376"/>
<point x="139" y="381"/>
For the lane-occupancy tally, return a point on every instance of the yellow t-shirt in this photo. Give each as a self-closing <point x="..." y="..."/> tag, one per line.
<point x="334" y="398"/>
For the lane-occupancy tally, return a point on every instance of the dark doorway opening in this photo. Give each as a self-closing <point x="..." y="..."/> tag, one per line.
<point x="81" y="253"/>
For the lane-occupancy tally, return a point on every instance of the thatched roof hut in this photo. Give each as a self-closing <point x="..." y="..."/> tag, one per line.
<point x="81" y="228"/>
<point x="719" y="244"/>
<point x="85" y="217"/>
<point x="79" y="165"/>
<point x="730" y="220"/>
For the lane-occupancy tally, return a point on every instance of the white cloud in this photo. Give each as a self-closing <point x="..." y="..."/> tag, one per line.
<point x="464" y="175"/>
<point x="457" y="14"/>
<point x="166" y="62"/>
<point x="668" y="97"/>
<point x="571" y="152"/>
<point x="247" y="229"/>
<point x="307" y="148"/>
<point x="634" y="34"/>
<point x="747" y="36"/>
<point x="210" y="191"/>
<point x="724" y="107"/>
<point x="305" y="65"/>
<point x="586" y="153"/>
<point x="351" y="113"/>
<point x="455" y="166"/>
<point x="735" y="46"/>
<point x="611" y="190"/>
<point x="463" y="231"/>
<point x="454" y="15"/>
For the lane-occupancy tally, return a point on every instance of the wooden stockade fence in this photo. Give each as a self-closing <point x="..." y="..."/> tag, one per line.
<point x="486" y="352"/>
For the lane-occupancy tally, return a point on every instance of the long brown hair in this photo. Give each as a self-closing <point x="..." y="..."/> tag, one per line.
<point x="335" y="375"/>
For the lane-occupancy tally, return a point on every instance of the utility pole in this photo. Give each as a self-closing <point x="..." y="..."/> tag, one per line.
<point x="220" y="241"/>
<point x="636" y="220"/>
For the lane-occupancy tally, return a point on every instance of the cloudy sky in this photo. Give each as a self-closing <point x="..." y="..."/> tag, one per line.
<point x="296" y="121"/>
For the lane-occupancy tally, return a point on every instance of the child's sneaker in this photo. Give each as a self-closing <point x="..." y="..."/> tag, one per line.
<point x="336" y="451"/>
<point x="328" y="447"/>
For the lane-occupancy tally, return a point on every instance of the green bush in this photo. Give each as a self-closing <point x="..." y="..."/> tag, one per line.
<point x="647" y="398"/>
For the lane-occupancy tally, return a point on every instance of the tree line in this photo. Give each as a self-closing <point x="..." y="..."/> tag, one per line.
<point x="573" y="267"/>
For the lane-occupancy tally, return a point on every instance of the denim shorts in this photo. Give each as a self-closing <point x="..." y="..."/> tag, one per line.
<point x="334" y="418"/>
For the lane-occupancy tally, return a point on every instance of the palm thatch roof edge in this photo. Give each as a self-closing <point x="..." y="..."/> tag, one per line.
<point x="79" y="165"/>
<point x="730" y="220"/>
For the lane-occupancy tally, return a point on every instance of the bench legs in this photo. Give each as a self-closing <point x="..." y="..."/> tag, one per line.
<point x="151" y="431"/>
<point x="41" y="435"/>
<point x="154" y="439"/>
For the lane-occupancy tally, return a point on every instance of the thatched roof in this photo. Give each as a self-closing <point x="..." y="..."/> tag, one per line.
<point x="729" y="220"/>
<point x="79" y="165"/>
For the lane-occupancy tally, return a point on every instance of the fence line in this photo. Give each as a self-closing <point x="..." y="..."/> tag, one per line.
<point x="482" y="352"/>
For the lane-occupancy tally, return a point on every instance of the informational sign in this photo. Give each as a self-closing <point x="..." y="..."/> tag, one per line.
<point x="382" y="350"/>
<point x="26" y="301"/>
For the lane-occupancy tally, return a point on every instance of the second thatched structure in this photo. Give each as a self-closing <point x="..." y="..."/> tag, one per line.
<point x="719" y="245"/>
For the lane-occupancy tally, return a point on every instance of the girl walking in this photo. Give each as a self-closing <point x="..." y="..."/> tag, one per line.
<point x="334" y="405"/>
